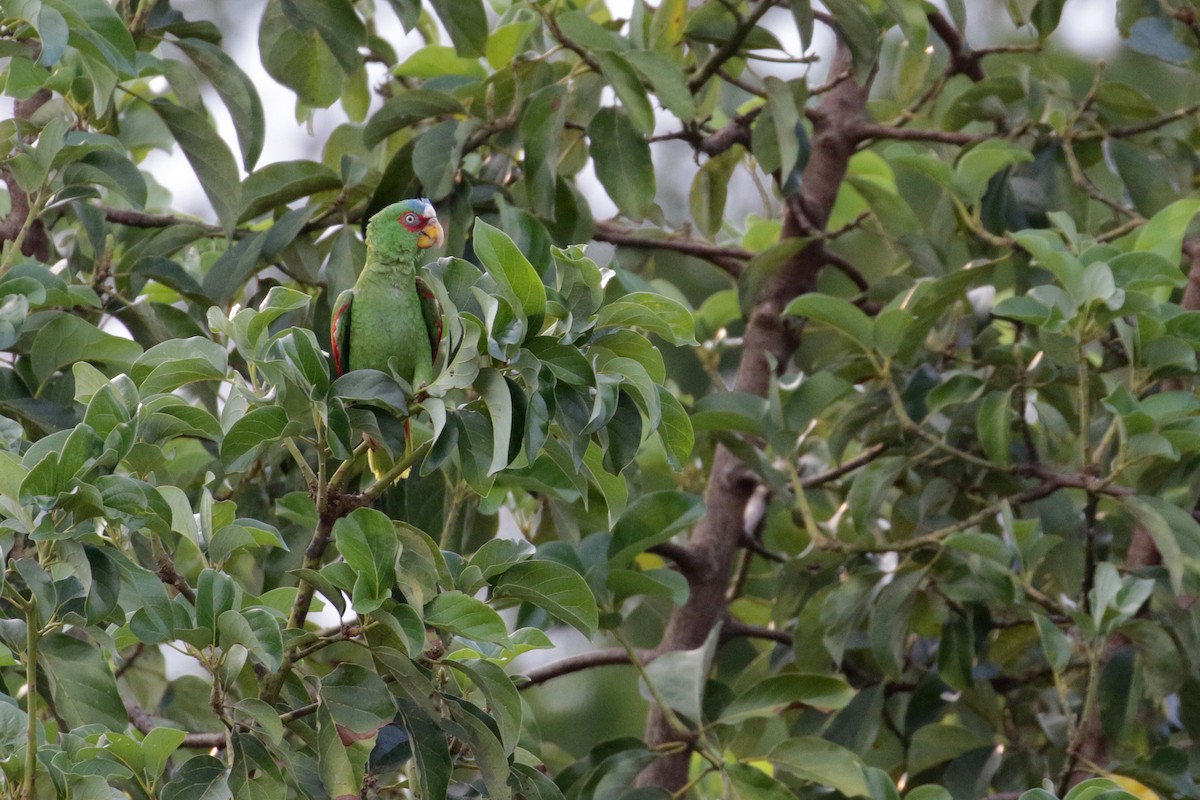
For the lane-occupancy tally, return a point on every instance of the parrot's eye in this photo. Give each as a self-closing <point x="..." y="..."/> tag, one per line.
<point x="410" y="219"/>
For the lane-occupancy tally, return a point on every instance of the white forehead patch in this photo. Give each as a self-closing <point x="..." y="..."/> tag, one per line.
<point x="428" y="210"/>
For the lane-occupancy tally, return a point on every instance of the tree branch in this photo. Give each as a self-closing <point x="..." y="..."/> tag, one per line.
<point x="865" y="457"/>
<point x="769" y="339"/>
<point x="876" y="131"/>
<point x="963" y="60"/>
<point x="727" y="258"/>
<point x="200" y="741"/>
<point x="728" y="49"/>
<point x="566" y="666"/>
<point x="29" y="234"/>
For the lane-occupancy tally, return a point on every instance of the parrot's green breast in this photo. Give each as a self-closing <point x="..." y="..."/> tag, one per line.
<point x="387" y="324"/>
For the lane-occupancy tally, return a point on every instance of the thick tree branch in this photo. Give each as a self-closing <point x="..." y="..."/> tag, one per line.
<point x="29" y="233"/>
<point x="769" y="339"/>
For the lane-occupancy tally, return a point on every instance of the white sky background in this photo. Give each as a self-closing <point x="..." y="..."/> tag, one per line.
<point x="1087" y="27"/>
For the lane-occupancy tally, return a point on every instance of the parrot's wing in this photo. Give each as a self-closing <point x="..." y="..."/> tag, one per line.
<point x="339" y="332"/>
<point x="431" y="310"/>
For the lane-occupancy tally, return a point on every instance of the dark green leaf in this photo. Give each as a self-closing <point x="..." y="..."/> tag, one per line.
<point x="622" y="159"/>
<point x="209" y="156"/>
<point x="553" y="587"/>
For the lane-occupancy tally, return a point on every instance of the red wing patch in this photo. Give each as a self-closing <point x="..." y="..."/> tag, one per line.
<point x="433" y="316"/>
<point x="339" y="334"/>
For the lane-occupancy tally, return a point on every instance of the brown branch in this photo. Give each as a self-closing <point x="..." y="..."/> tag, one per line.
<point x="200" y="741"/>
<point x="769" y="339"/>
<point x="876" y="131"/>
<point x="729" y="48"/>
<point x="846" y="268"/>
<point x="683" y="558"/>
<point x="729" y="259"/>
<point x="566" y="666"/>
<point x="1147" y="126"/>
<point x="1191" y="292"/>
<point x="168" y="575"/>
<point x="736" y="629"/>
<point x="963" y="60"/>
<point x="567" y="42"/>
<point x="865" y="457"/>
<point x="35" y="242"/>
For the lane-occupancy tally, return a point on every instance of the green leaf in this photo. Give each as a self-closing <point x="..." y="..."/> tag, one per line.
<point x="519" y="282"/>
<point x="1055" y="644"/>
<point x="408" y="108"/>
<point x="1164" y="233"/>
<point x="503" y="701"/>
<point x="461" y="614"/>
<point x="199" y="778"/>
<point x="777" y="693"/>
<point x="209" y="157"/>
<point x="489" y="754"/>
<point x="666" y="79"/>
<point x="938" y="743"/>
<point x="675" y="429"/>
<point x="280" y="183"/>
<point x="83" y="687"/>
<point x="338" y="775"/>
<point x="679" y="676"/>
<point x="994" y="427"/>
<point x="628" y="85"/>
<point x="237" y="92"/>
<point x="1171" y="528"/>
<point x="66" y="339"/>
<point x="357" y="698"/>
<point x="652" y="312"/>
<point x="367" y="540"/>
<point x="622" y="160"/>
<point x="823" y="763"/>
<point x="553" y="587"/>
<point x="652" y="519"/>
<point x="298" y="58"/>
<point x="710" y="189"/>
<point x="466" y="22"/>
<point x="157" y="747"/>
<point x="980" y="163"/>
<point x="178" y="362"/>
<point x="431" y="754"/>
<point x="841" y="315"/>
<point x="750" y="783"/>
<point x="251" y="433"/>
<point x="860" y="33"/>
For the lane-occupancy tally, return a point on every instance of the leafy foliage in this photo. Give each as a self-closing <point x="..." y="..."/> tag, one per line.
<point x="897" y="473"/>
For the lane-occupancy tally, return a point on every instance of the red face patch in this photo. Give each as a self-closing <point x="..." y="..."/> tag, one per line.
<point x="413" y="221"/>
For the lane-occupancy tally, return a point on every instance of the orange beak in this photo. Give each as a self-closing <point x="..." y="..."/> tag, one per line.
<point x="431" y="235"/>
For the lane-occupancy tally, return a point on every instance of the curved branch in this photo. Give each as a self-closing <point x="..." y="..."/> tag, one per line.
<point x="596" y="658"/>
<point x="963" y="60"/>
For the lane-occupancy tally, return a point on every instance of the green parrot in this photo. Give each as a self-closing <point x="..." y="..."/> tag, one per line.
<point x="391" y="316"/>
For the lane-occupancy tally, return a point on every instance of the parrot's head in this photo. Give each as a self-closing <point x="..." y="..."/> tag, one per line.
<point x="401" y="229"/>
